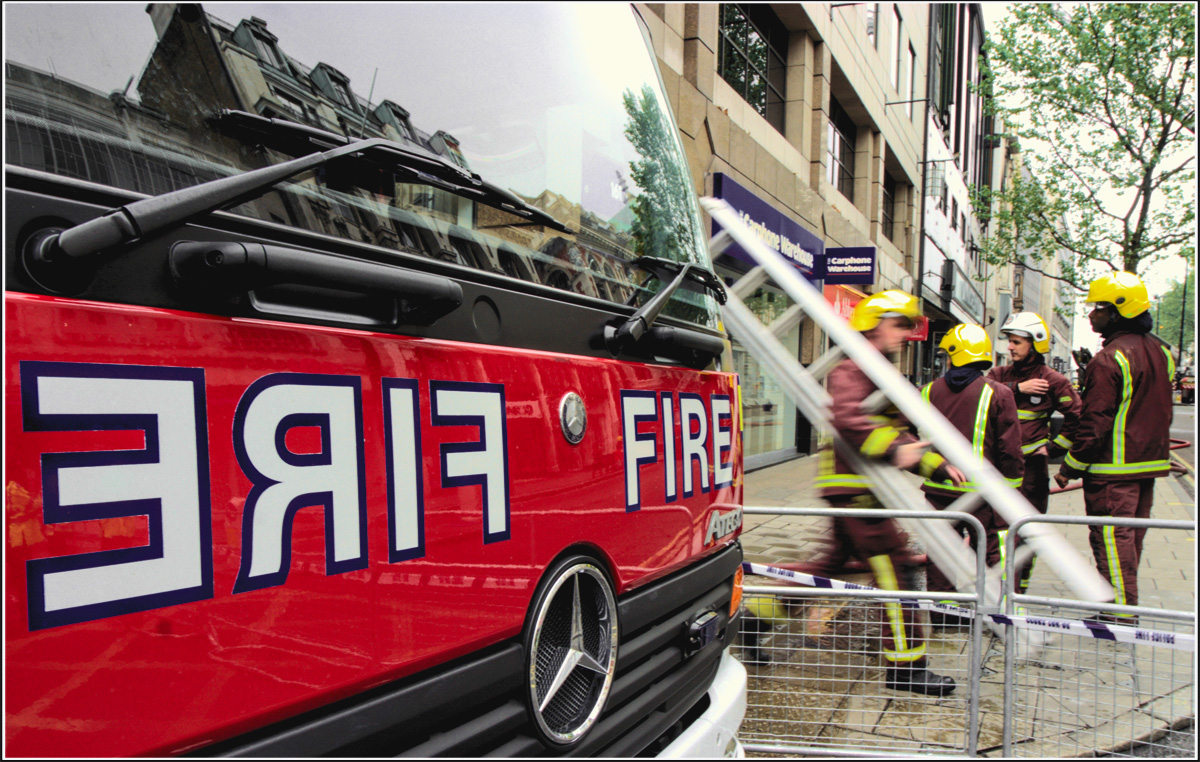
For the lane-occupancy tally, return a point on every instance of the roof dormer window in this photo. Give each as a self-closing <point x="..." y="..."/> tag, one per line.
<point x="390" y="113"/>
<point x="267" y="52"/>
<point x="252" y="35"/>
<point x="447" y="145"/>
<point x="335" y="86"/>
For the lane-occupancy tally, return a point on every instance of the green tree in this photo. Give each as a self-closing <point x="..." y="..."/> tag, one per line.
<point x="665" y="223"/>
<point x="666" y="218"/>
<point x="1102" y="97"/>
<point x="1169" y="311"/>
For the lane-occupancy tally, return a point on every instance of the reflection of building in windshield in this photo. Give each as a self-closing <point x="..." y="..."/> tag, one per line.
<point x="202" y="65"/>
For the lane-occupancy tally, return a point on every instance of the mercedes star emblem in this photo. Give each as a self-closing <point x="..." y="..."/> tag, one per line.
<point x="573" y="417"/>
<point x="573" y="652"/>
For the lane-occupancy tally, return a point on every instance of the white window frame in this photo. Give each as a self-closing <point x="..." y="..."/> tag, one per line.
<point x="897" y="22"/>
<point x="912" y="80"/>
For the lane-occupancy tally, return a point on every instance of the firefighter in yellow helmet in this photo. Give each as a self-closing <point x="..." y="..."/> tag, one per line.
<point x="884" y="319"/>
<point x="985" y="413"/>
<point x="1123" y="440"/>
<point x="1039" y="391"/>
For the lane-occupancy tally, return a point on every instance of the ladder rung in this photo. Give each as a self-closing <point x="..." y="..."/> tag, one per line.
<point x="876" y="403"/>
<point x="787" y="321"/>
<point x="749" y="283"/>
<point x="826" y="362"/>
<point x="968" y="502"/>
<point x="719" y="243"/>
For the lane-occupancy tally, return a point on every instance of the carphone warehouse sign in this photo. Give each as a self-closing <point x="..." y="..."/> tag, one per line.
<point x="800" y="247"/>
<point x="852" y="264"/>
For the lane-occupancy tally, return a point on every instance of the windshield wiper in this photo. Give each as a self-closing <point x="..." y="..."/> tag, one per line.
<point x="147" y="217"/>
<point x="673" y="275"/>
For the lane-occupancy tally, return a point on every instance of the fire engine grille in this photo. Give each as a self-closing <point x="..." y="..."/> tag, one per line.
<point x="474" y="707"/>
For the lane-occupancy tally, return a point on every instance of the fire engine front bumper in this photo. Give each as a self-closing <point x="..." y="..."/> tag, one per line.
<point x="714" y="733"/>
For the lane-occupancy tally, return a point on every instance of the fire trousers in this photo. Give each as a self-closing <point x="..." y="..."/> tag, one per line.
<point x="935" y="580"/>
<point x="882" y="547"/>
<point x="1035" y="487"/>
<point x="1119" y="549"/>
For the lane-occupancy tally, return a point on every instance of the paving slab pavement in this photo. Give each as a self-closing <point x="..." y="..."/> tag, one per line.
<point x="1076" y="697"/>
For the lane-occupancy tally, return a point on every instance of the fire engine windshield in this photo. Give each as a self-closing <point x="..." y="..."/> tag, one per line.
<point x="556" y="107"/>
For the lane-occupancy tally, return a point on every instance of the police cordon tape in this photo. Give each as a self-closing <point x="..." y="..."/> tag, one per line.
<point x="1119" y="633"/>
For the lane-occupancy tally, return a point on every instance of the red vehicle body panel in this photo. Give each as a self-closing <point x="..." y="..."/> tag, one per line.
<point x="242" y="660"/>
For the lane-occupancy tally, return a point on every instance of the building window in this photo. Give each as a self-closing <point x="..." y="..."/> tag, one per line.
<point x="941" y="93"/>
<point x="897" y="51"/>
<point x="912" y="81"/>
<point x="267" y="53"/>
<point x="954" y="215"/>
<point x="872" y="23"/>
<point x="753" y="57"/>
<point x="889" y="205"/>
<point x="843" y="135"/>
<point x="341" y="94"/>
<point x="295" y="106"/>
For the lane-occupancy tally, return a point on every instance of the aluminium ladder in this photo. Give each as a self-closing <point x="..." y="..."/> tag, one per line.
<point x="802" y="385"/>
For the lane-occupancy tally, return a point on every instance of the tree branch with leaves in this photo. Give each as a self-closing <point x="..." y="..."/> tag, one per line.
<point x="1102" y="98"/>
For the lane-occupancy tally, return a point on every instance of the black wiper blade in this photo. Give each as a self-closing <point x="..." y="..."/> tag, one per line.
<point x="149" y="216"/>
<point x="674" y="275"/>
<point x="409" y="161"/>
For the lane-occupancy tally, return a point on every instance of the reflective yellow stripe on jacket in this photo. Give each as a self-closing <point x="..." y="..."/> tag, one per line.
<point x="1116" y="469"/>
<point x="1170" y="365"/>
<point x="1122" y="411"/>
<point x="825" y="472"/>
<point x="977" y="441"/>
<point x="1026" y="449"/>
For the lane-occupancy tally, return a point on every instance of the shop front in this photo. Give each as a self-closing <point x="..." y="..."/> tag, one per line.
<point x="773" y="429"/>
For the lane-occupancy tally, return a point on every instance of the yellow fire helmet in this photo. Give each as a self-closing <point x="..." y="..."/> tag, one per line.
<point x="876" y="307"/>
<point x="1125" y="291"/>
<point x="1031" y="326"/>
<point x="967" y="343"/>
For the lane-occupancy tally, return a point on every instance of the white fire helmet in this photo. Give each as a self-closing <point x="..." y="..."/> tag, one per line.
<point x="1031" y="326"/>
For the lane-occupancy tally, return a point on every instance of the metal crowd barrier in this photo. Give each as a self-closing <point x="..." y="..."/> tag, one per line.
<point x="1097" y="685"/>
<point x="816" y="672"/>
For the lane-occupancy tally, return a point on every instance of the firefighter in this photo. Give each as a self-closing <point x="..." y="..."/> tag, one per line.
<point x="1122" y="443"/>
<point x="1039" y="391"/>
<point x="985" y="413"/>
<point x="884" y="319"/>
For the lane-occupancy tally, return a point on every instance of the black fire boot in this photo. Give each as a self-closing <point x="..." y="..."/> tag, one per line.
<point x="945" y="619"/>
<point x="753" y="632"/>
<point x="919" y="680"/>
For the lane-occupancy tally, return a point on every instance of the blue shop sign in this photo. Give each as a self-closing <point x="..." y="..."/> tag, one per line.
<point x="850" y="264"/>
<point x="800" y="247"/>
